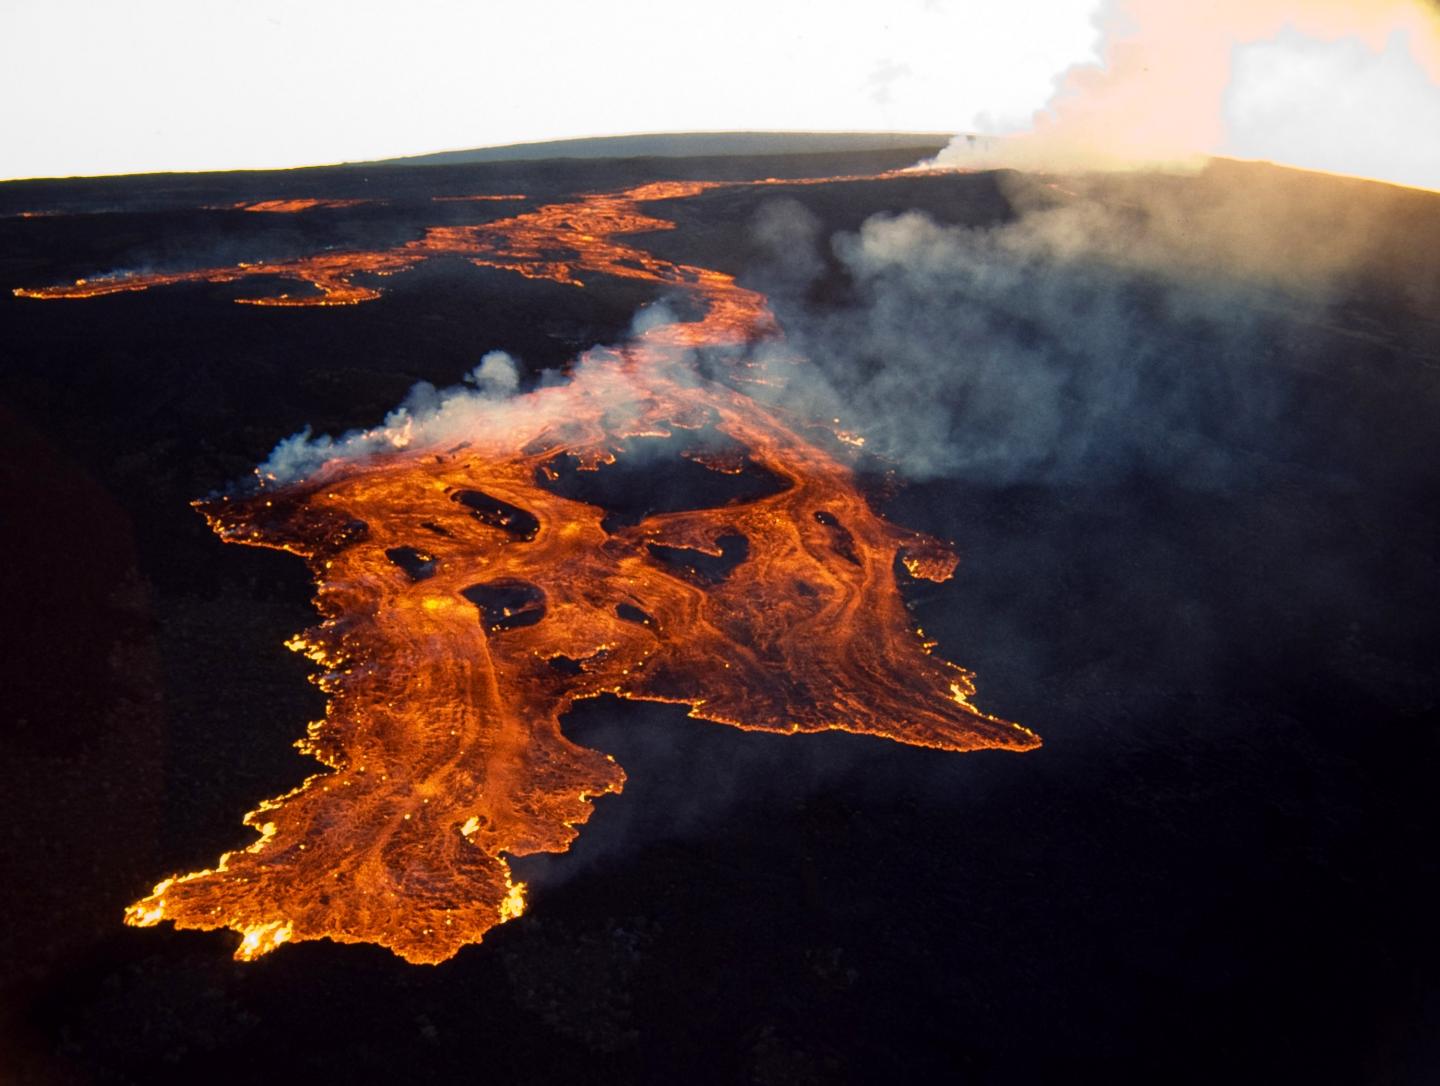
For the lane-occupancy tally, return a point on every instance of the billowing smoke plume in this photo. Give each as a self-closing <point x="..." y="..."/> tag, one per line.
<point x="1121" y="324"/>
<point x="1351" y="87"/>
<point x="489" y="397"/>
<point x="428" y="416"/>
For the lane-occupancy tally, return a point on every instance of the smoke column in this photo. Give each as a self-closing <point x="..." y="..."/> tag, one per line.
<point x="1348" y="88"/>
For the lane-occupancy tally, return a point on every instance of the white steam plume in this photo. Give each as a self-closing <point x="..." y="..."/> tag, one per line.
<point x="1349" y="86"/>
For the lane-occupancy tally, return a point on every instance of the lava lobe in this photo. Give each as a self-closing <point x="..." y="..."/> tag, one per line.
<point x="471" y="593"/>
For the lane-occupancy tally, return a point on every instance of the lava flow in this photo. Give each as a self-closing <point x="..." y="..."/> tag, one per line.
<point x="554" y="242"/>
<point x="580" y="235"/>
<point x="472" y="588"/>
<point x="290" y="207"/>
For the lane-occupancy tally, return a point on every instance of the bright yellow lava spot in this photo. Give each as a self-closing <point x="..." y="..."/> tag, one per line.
<point x="261" y="939"/>
<point x="142" y="917"/>
<point x="514" y="903"/>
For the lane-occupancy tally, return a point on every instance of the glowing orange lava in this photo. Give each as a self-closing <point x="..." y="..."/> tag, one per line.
<point x="292" y="206"/>
<point x="555" y="242"/>
<point x="476" y="199"/>
<point x="468" y="603"/>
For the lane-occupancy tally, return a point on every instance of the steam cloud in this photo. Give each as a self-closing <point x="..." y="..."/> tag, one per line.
<point x="1127" y="323"/>
<point x="1024" y="353"/>
<point x="1130" y="323"/>
<point x="1056" y="330"/>
<point x="1137" y="328"/>
<point x="490" y="396"/>
<point x="427" y="416"/>
<point x="1350" y="87"/>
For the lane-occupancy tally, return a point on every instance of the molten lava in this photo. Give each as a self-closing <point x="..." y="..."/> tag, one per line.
<point x="476" y="199"/>
<point x="290" y="207"/>
<point x="470" y="594"/>
<point x="553" y="242"/>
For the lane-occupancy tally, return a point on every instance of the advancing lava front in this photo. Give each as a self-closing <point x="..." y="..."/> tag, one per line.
<point x="467" y="603"/>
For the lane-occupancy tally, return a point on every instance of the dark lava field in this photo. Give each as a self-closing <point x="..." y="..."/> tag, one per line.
<point x="1182" y="434"/>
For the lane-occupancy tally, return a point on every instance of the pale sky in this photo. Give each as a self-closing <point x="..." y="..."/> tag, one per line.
<point x="130" y="86"/>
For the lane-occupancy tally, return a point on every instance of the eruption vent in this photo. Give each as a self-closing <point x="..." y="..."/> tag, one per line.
<point x="1343" y="86"/>
<point x="472" y="589"/>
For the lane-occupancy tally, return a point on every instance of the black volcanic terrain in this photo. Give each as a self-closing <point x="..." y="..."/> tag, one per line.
<point x="1182" y="432"/>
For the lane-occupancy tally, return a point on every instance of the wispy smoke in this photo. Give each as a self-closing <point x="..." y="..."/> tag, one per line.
<point x="1117" y="323"/>
<point x="1122" y="324"/>
<point x="1344" y="86"/>
<point x="1118" y="326"/>
<point x="497" y="375"/>
<point x="1022" y="353"/>
<point x="428" y="416"/>
<point x="489" y="400"/>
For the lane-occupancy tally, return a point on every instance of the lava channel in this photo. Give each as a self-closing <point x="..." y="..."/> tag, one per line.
<point x="468" y="599"/>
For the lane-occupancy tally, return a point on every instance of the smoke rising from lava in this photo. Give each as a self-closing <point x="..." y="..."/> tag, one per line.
<point x="1094" y="329"/>
<point x="1121" y="323"/>
<point x="1339" y="86"/>
<point x="488" y="399"/>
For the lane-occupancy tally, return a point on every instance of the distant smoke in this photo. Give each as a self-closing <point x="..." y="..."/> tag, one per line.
<point x="1019" y="354"/>
<point x="1124" y="324"/>
<point x="1135" y="328"/>
<point x="1120" y="326"/>
<point x="1352" y="87"/>
<point x="1119" y="323"/>
<point x="1336" y="105"/>
<point x="787" y="232"/>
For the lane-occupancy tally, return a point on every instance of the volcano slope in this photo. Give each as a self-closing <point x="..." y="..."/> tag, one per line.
<point x="1183" y="449"/>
